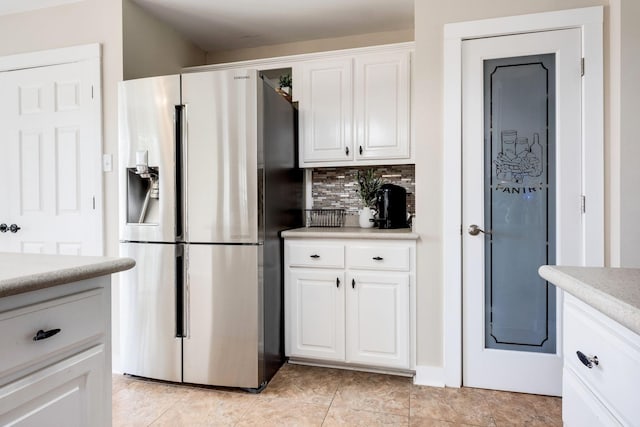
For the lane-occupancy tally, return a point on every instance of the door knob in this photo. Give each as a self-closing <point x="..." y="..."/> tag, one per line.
<point x="474" y="230"/>
<point x="14" y="228"/>
<point x="3" y="228"/>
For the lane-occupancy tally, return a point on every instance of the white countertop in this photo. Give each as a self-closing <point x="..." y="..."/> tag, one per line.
<point x="21" y="273"/>
<point x="613" y="291"/>
<point x="351" y="233"/>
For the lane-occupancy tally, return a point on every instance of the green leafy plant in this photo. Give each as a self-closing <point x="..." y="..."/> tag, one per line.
<point x="285" y="81"/>
<point x="368" y="186"/>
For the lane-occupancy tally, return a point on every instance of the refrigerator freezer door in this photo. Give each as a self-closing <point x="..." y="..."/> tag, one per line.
<point x="149" y="346"/>
<point x="147" y="139"/>
<point x="223" y="343"/>
<point x="221" y="171"/>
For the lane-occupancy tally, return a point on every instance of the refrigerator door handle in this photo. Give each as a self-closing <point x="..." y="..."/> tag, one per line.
<point x="180" y="293"/>
<point x="186" y="305"/>
<point x="179" y="123"/>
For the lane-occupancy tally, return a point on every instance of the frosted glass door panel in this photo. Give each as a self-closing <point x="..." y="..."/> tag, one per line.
<point x="519" y="204"/>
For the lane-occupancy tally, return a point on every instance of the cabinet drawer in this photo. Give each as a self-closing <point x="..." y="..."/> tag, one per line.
<point x="580" y="407"/>
<point x="315" y="255"/>
<point x="379" y="257"/>
<point x="79" y="317"/>
<point x="616" y="377"/>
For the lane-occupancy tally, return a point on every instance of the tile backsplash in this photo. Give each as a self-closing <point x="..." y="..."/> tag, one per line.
<point x="335" y="188"/>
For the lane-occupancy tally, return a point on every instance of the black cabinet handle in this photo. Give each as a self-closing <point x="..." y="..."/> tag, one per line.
<point x="378" y="258"/>
<point x="588" y="361"/>
<point x="3" y="228"/>
<point x="360" y="150"/>
<point x="43" y="335"/>
<point x="337" y="282"/>
<point x="346" y="150"/>
<point x="353" y="283"/>
<point x="314" y="256"/>
<point x="14" y="228"/>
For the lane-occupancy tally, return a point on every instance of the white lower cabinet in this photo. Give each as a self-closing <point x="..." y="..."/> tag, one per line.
<point x="601" y="369"/>
<point x="64" y="394"/>
<point x="317" y="314"/>
<point x="378" y="319"/>
<point x="55" y="360"/>
<point x="360" y="314"/>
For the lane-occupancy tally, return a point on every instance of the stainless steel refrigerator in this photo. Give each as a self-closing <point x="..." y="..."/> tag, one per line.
<point x="208" y="179"/>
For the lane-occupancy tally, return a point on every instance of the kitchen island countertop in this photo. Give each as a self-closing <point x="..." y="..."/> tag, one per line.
<point x="351" y="233"/>
<point x="21" y="273"/>
<point x="613" y="291"/>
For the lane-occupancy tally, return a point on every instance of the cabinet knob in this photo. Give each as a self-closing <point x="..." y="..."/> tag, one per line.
<point x="337" y="282"/>
<point x="314" y="256"/>
<point x="346" y="151"/>
<point x="586" y="360"/>
<point x="14" y="228"/>
<point x="360" y="150"/>
<point x="378" y="258"/>
<point x="43" y="335"/>
<point x="3" y="228"/>
<point x="353" y="283"/>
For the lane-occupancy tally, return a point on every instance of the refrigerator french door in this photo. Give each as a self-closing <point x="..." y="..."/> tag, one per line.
<point x="203" y="304"/>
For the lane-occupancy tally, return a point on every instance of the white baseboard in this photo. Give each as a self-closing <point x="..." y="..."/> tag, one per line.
<point x="429" y="375"/>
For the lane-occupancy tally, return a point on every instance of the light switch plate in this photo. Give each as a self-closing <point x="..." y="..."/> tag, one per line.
<point x="107" y="160"/>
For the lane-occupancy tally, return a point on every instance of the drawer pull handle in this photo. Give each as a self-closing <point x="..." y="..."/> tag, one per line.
<point x="378" y="258"/>
<point x="43" y="335"/>
<point x="337" y="282"/>
<point x="314" y="256"/>
<point x="586" y="360"/>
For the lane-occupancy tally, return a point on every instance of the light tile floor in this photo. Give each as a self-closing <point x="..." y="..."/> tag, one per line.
<point x="311" y="396"/>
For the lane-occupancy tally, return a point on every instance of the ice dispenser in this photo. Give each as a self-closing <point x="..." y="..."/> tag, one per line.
<point x="143" y="183"/>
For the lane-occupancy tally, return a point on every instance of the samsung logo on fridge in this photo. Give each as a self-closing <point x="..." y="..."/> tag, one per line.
<point x="241" y="77"/>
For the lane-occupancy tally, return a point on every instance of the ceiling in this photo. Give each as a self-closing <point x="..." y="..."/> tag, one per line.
<point x="216" y="25"/>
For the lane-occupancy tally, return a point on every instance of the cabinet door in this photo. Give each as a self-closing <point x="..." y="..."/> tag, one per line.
<point x="315" y="320"/>
<point x="69" y="393"/>
<point x="326" y="112"/>
<point x="378" y="319"/>
<point x="381" y="106"/>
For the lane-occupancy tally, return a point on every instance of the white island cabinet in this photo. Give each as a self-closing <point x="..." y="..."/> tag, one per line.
<point x="601" y="373"/>
<point x="55" y="357"/>
<point x="350" y="298"/>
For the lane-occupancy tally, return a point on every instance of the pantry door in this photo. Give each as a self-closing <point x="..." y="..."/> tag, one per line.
<point x="50" y="139"/>
<point x="521" y="158"/>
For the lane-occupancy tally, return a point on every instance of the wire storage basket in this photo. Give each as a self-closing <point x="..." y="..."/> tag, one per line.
<point x="324" y="217"/>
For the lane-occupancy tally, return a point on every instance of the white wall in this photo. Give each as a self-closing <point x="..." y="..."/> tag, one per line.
<point x="151" y="48"/>
<point x="319" y="45"/>
<point x="625" y="73"/>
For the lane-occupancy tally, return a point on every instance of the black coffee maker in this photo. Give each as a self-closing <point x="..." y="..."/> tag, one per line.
<point x="391" y="202"/>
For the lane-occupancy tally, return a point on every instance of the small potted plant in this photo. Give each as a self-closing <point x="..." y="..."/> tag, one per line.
<point x="285" y="84"/>
<point x="368" y="186"/>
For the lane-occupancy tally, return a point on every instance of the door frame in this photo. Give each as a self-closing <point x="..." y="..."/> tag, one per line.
<point x="589" y="21"/>
<point x="93" y="54"/>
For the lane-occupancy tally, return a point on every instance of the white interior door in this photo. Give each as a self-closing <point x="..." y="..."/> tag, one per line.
<point x="521" y="204"/>
<point x="51" y="162"/>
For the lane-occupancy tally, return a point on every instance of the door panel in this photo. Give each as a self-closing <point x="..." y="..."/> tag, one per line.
<point x="224" y="315"/>
<point x="521" y="189"/>
<point x="316" y="306"/>
<point x="49" y="121"/>
<point x="148" y="317"/>
<point x="378" y="319"/>
<point x="147" y="133"/>
<point x="326" y="110"/>
<point x="221" y="154"/>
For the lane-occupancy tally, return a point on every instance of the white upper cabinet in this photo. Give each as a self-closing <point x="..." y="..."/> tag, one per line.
<point x="326" y="105"/>
<point x="381" y="106"/>
<point x="355" y="109"/>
